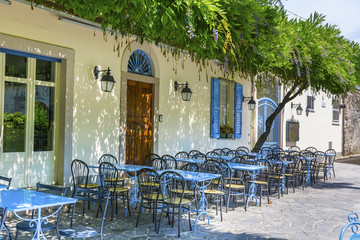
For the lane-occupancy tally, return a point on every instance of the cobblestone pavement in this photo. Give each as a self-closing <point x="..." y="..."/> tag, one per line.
<point x="318" y="212"/>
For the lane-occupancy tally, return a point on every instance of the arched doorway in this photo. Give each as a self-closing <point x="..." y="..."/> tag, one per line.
<point x="139" y="104"/>
<point x="266" y="107"/>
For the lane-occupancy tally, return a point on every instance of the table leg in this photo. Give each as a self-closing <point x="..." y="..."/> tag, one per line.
<point x="308" y="181"/>
<point x="252" y="190"/>
<point x="328" y="174"/>
<point x="133" y="194"/>
<point x="203" y="203"/>
<point x="38" y="234"/>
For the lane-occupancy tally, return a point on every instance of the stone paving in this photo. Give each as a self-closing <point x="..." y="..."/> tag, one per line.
<point x="318" y="212"/>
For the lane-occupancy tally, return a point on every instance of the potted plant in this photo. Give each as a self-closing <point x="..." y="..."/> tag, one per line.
<point x="226" y="131"/>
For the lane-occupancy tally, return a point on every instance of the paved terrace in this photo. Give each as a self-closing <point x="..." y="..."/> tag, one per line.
<point x="318" y="212"/>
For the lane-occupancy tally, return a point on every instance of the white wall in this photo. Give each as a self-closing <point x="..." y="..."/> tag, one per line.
<point x="316" y="128"/>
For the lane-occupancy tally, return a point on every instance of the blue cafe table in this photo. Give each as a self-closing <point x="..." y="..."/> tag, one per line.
<point x="202" y="180"/>
<point x="249" y="168"/>
<point x="19" y="200"/>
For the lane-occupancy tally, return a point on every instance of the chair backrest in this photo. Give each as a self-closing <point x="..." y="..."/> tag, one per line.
<point x="213" y="166"/>
<point x="274" y="146"/>
<point x="264" y="174"/>
<point x="199" y="156"/>
<point x="109" y="175"/>
<point x="182" y="154"/>
<point x="217" y="150"/>
<point x="243" y="148"/>
<point x="6" y="181"/>
<point x="149" y="157"/>
<point x="213" y="155"/>
<point x="238" y="159"/>
<point x="97" y="197"/>
<point x="231" y="153"/>
<point x="320" y="157"/>
<point x="311" y="149"/>
<point x="224" y="151"/>
<point x="266" y="150"/>
<point x="172" y="185"/>
<point x="194" y="152"/>
<point x="148" y="182"/>
<point x="79" y="172"/>
<point x="331" y="151"/>
<point x="294" y="148"/>
<point x="108" y="158"/>
<point x="192" y="167"/>
<point x="158" y="163"/>
<point x="171" y="162"/>
<point x="354" y="225"/>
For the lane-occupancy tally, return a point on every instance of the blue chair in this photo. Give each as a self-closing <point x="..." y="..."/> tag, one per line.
<point x="353" y="225"/>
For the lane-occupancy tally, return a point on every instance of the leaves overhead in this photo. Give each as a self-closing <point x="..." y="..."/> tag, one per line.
<point x="251" y="37"/>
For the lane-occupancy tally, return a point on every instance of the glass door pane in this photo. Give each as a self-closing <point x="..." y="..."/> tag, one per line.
<point x="44" y="118"/>
<point x="14" y="117"/>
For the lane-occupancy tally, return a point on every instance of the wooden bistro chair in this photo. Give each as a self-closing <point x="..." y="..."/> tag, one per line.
<point x="109" y="176"/>
<point x="82" y="227"/>
<point x="45" y="225"/>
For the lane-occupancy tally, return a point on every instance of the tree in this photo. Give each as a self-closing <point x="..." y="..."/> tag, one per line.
<point x="250" y="37"/>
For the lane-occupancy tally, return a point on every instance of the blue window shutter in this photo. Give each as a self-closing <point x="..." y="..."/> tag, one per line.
<point x="238" y="110"/>
<point x="215" y="108"/>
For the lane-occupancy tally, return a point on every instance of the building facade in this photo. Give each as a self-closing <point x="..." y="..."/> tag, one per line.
<point x="52" y="108"/>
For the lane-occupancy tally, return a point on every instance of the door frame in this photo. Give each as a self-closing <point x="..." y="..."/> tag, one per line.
<point x="269" y="102"/>
<point x="125" y="76"/>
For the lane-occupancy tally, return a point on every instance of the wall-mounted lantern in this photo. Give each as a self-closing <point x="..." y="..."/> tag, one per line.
<point x="298" y="107"/>
<point x="185" y="92"/>
<point x="107" y="81"/>
<point x="251" y="102"/>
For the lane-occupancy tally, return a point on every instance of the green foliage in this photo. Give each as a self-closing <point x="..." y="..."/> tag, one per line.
<point x="226" y="129"/>
<point x="251" y="37"/>
<point x="41" y="120"/>
<point x="14" y="120"/>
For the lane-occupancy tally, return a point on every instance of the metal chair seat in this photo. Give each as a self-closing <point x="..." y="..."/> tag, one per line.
<point x="259" y="182"/>
<point x="26" y="226"/>
<point x="150" y="184"/>
<point x="213" y="192"/>
<point x="176" y="201"/>
<point x="79" y="232"/>
<point x="235" y="186"/>
<point x="276" y="176"/>
<point x="89" y="185"/>
<point x="153" y="196"/>
<point x="118" y="189"/>
<point x="186" y="191"/>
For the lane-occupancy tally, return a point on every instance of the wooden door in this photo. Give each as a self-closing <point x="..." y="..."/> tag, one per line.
<point x="139" y="122"/>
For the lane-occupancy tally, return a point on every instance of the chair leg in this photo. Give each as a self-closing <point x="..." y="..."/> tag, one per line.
<point x="333" y="169"/>
<point x="179" y="223"/>
<point x="162" y="210"/>
<point x="189" y="219"/>
<point x="128" y="203"/>
<point x="138" y="218"/>
<point x="221" y="208"/>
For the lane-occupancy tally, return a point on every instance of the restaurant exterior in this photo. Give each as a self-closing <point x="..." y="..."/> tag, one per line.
<point x="53" y="109"/>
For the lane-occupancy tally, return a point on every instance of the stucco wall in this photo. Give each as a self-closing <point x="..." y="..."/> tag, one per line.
<point x="316" y="128"/>
<point x="96" y="115"/>
<point x="352" y="124"/>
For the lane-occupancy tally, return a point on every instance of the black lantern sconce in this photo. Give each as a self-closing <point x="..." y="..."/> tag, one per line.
<point x="298" y="107"/>
<point x="185" y="92"/>
<point x="107" y="81"/>
<point x="251" y="102"/>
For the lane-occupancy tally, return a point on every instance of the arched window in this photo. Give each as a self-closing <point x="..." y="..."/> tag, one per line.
<point x="139" y="63"/>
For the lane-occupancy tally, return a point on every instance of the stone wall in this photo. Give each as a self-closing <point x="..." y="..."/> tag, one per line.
<point x="352" y="124"/>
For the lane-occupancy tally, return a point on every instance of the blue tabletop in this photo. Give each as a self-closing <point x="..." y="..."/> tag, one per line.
<point x="23" y="199"/>
<point x="129" y="167"/>
<point x="3" y="186"/>
<point x="279" y="162"/>
<point x="240" y="166"/>
<point x="193" y="176"/>
<point x="190" y="160"/>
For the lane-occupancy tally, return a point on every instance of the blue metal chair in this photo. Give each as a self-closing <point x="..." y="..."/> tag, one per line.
<point x="353" y="225"/>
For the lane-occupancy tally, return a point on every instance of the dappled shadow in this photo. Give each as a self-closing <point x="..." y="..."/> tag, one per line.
<point x="335" y="185"/>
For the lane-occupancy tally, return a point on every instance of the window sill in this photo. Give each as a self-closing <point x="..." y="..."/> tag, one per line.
<point x="310" y="110"/>
<point x="336" y="123"/>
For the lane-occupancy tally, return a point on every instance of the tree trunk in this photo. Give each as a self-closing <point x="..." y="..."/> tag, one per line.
<point x="290" y="95"/>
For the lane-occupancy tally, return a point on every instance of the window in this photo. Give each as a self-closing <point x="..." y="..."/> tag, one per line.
<point x="310" y="103"/>
<point x="226" y="109"/>
<point x="336" y="110"/>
